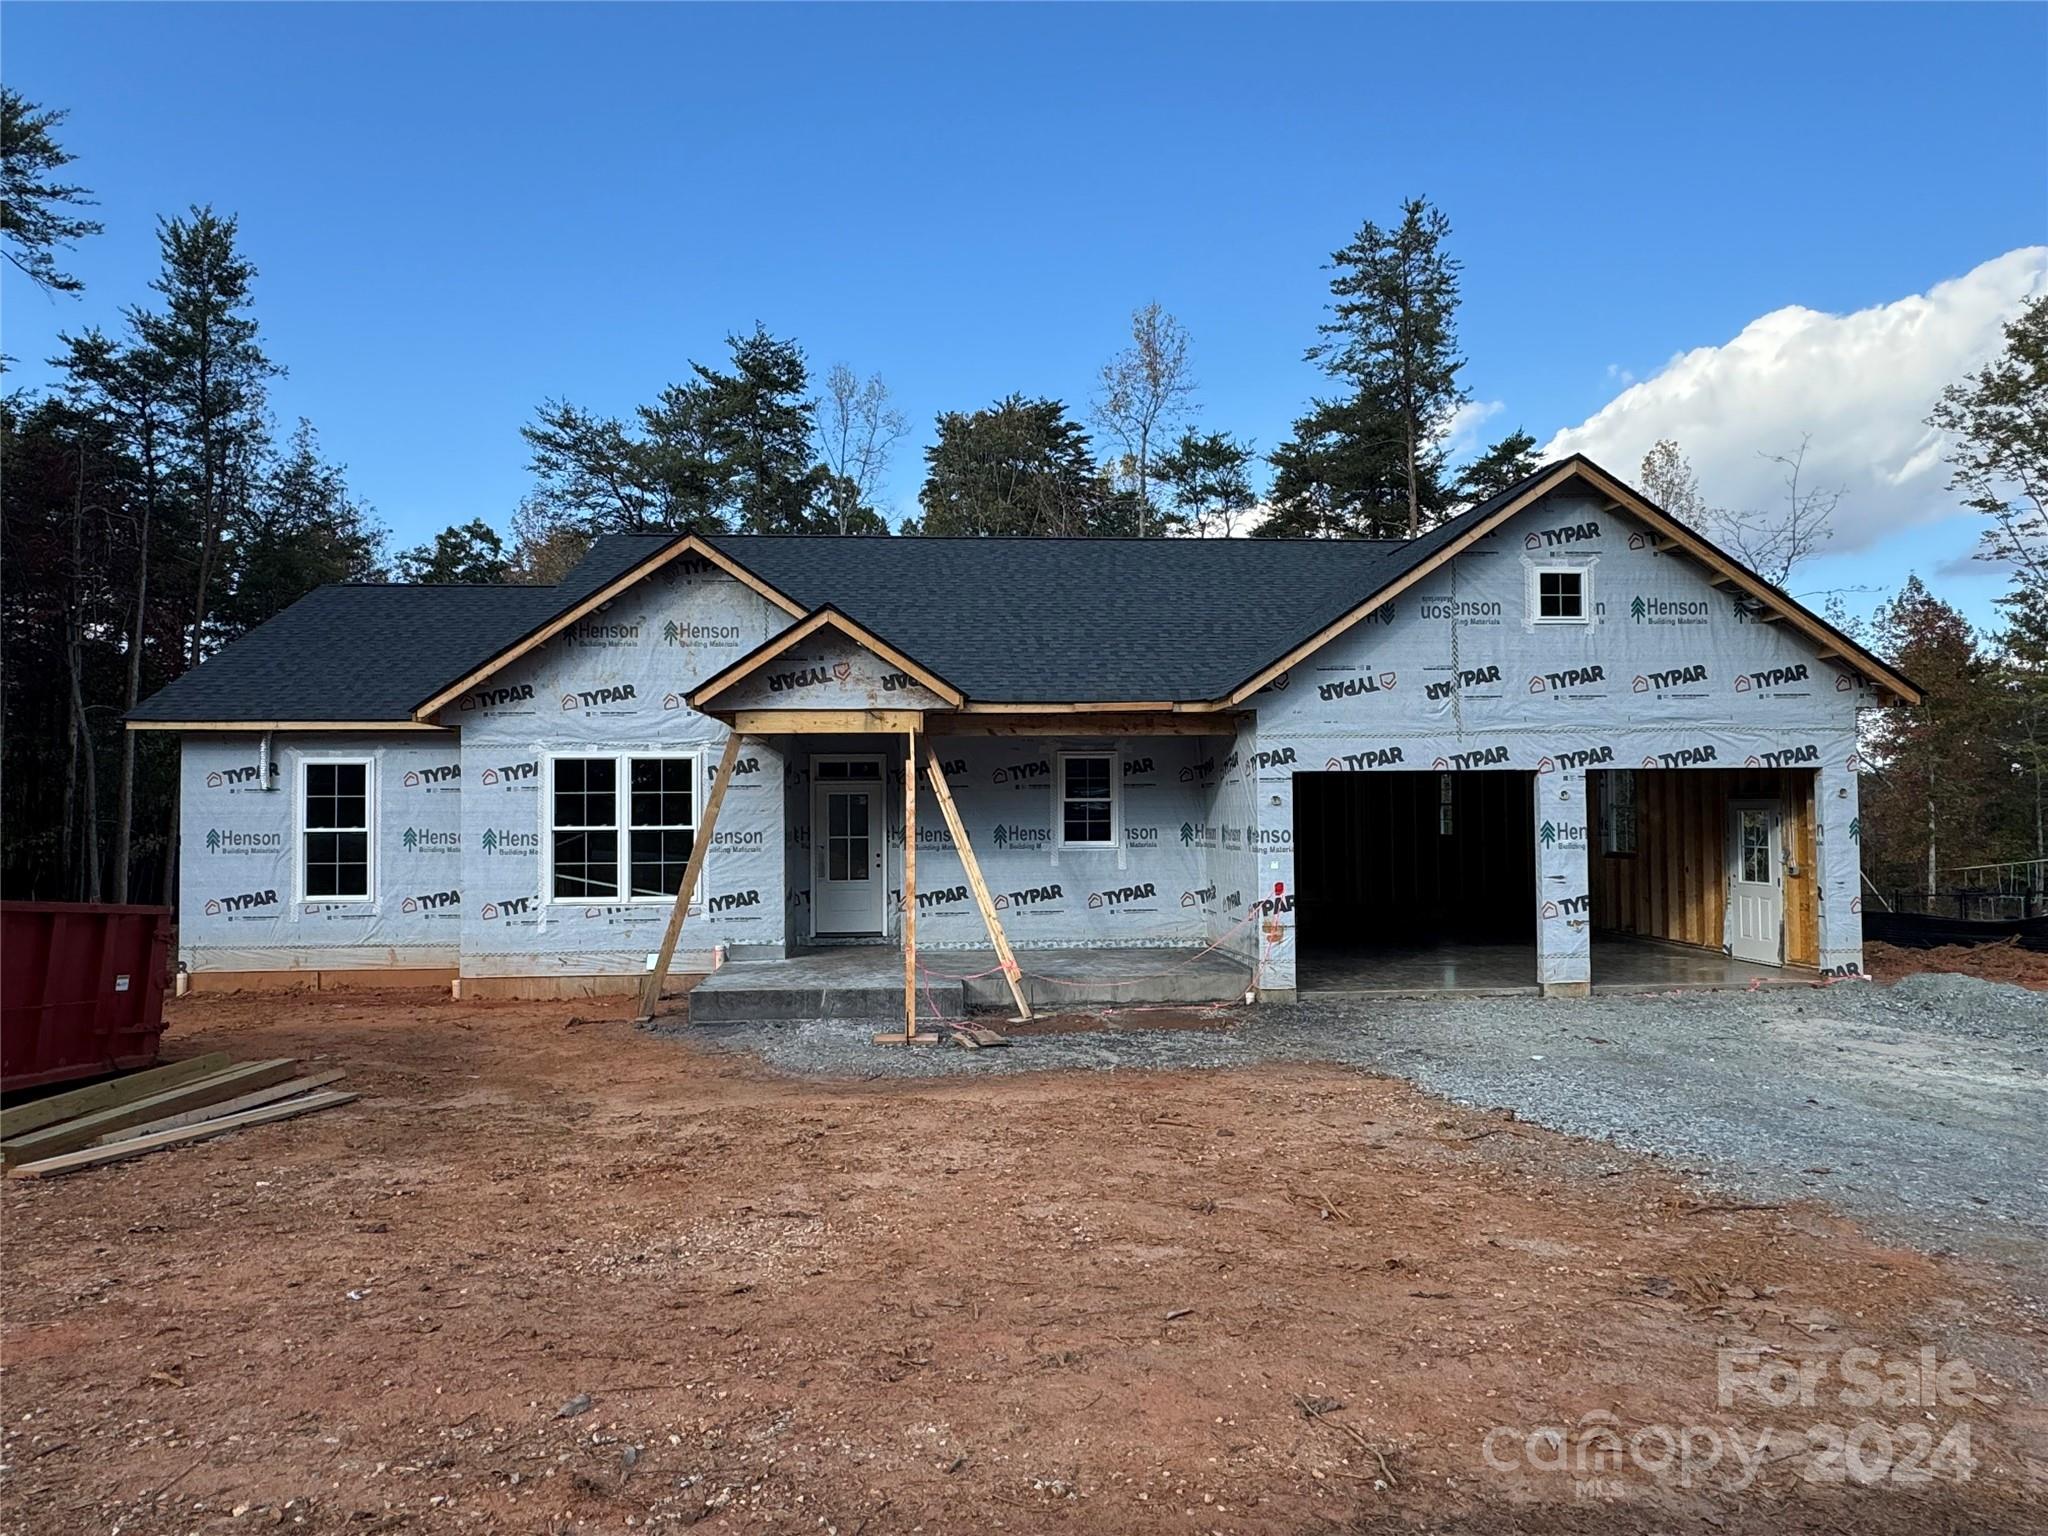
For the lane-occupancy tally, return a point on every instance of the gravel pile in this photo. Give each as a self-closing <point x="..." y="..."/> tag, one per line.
<point x="1922" y="1107"/>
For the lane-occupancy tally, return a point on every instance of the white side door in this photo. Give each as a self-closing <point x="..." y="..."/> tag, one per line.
<point x="1756" y="883"/>
<point x="847" y="851"/>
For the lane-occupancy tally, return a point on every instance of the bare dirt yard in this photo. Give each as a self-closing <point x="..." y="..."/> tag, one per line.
<point x="1993" y="962"/>
<point x="555" y="1274"/>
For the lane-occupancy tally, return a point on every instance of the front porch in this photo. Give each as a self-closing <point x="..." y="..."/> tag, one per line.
<point x="866" y="982"/>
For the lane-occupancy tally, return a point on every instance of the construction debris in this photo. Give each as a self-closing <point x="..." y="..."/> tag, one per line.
<point x="164" y="1107"/>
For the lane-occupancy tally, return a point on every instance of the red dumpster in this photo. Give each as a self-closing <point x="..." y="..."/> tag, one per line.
<point x="81" y="989"/>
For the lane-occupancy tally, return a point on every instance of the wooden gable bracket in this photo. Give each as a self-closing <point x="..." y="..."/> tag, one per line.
<point x="702" y="696"/>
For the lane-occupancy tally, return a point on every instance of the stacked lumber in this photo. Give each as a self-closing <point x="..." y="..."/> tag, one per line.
<point x="144" y="1112"/>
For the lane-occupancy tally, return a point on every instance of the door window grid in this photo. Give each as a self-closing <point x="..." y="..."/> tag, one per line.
<point x="848" y="850"/>
<point x="1756" y="847"/>
<point x="1618" y="812"/>
<point x="335" y="830"/>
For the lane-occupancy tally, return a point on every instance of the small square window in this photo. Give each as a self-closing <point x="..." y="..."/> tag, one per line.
<point x="1557" y="594"/>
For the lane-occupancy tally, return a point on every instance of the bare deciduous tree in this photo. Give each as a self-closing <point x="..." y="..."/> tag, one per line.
<point x="1143" y="392"/>
<point x="858" y="429"/>
<point x="1771" y="541"/>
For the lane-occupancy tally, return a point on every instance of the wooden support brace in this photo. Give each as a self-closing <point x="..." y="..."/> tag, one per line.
<point x="650" y="993"/>
<point x="910" y="888"/>
<point x="1004" y="958"/>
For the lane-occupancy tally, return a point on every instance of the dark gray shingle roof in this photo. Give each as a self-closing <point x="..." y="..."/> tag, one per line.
<point x="1005" y="620"/>
<point x="353" y="652"/>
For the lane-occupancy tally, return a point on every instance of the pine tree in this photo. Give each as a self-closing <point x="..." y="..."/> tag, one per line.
<point x="1206" y="481"/>
<point x="1343" y="474"/>
<point x="1938" y="765"/>
<point x="36" y="210"/>
<point x="217" y="384"/>
<point x="472" y="553"/>
<point x="1019" y="467"/>
<point x="1507" y="462"/>
<point x="1997" y="420"/>
<point x="1393" y="338"/>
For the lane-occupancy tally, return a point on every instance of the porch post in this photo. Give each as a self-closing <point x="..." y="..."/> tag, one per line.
<point x="975" y="883"/>
<point x="910" y="888"/>
<point x="1564" y="943"/>
<point x="650" y="994"/>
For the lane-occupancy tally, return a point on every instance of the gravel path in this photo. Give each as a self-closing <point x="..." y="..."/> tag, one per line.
<point x="1920" y="1108"/>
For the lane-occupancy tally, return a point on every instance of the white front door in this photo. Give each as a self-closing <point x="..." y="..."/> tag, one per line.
<point x="1756" y="885"/>
<point x="847" y="852"/>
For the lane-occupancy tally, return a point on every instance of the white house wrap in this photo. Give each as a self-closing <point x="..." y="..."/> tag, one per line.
<point x="1561" y="708"/>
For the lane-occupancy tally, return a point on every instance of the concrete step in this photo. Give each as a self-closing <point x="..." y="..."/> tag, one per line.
<point x="733" y="996"/>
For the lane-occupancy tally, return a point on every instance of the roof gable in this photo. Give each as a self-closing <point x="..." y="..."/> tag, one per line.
<point x="826" y="662"/>
<point x="1419" y="558"/>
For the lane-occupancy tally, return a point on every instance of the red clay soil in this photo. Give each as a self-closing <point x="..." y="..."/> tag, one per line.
<point x="1993" y="962"/>
<point x="550" y="1276"/>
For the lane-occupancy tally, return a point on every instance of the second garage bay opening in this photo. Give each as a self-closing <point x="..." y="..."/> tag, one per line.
<point x="1410" y="882"/>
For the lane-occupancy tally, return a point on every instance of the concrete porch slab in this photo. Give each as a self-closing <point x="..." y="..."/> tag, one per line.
<point x="866" y="982"/>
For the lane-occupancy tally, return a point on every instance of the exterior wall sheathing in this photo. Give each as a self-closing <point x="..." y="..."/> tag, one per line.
<point x="1671" y="674"/>
<point x="1448" y="675"/>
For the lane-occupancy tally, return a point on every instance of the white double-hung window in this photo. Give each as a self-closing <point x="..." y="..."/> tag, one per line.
<point x="1088" y="800"/>
<point x="337" y="854"/>
<point x="619" y="826"/>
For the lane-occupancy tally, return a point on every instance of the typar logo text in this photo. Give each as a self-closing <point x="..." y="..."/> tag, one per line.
<point x="245" y="905"/>
<point x="235" y="779"/>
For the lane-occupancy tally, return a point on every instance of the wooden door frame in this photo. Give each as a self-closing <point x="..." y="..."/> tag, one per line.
<point x="879" y="787"/>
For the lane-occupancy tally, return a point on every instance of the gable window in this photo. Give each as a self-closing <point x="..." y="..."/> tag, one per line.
<point x="334" y="829"/>
<point x="1558" y="594"/>
<point x="1618" y="812"/>
<point x="1088" y="807"/>
<point x="620" y="823"/>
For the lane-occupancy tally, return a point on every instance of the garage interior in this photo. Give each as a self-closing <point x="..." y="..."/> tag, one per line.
<point x="1664" y="845"/>
<point x="1422" y="882"/>
<point x="1415" y="882"/>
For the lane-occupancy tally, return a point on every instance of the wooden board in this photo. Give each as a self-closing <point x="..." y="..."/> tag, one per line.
<point x="276" y="1092"/>
<point x="943" y="793"/>
<point x="826" y="722"/>
<point x="1081" y="723"/>
<point x="20" y="1119"/>
<point x="650" y="994"/>
<point x="910" y="887"/>
<point x="84" y="1130"/>
<point x="121" y="1151"/>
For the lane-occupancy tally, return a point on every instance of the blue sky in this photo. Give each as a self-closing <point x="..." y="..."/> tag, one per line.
<point x="461" y="210"/>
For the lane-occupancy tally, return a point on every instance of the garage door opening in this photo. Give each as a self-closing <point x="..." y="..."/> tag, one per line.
<point x="1703" y="876"/>
<point x="1409" y="882"/>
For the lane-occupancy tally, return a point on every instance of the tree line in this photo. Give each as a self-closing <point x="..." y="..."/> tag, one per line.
<point x="154" y="509"/>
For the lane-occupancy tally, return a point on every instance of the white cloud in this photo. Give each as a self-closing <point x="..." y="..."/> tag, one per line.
<point x="1860" y="384"/>
<point x="1461" y="433"/>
